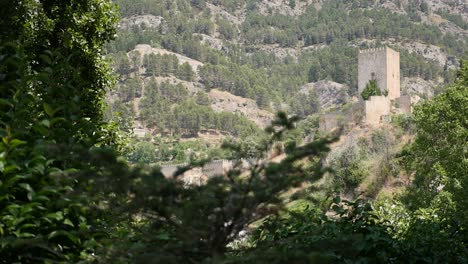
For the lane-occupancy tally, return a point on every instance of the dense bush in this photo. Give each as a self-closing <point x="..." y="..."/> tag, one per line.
<point x="371" y="89"/>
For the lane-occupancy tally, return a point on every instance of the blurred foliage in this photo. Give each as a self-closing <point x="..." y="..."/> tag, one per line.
<point x="52" y="81"/>
<point x="438" y="155"/>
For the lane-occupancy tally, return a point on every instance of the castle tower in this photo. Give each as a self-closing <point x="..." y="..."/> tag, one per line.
<point x="382" y="65"/>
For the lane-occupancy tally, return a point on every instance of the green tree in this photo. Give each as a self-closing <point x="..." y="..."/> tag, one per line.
<point x="439" y="153"/>
<point x="372" y="89"/>
<point x="143" y="152"/>
<point x="52" y="85"/>
<point x="185" y="72"/>
<point x="198" y="223"/>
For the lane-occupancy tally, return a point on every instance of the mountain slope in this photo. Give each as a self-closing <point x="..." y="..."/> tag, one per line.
<point x="267" y="51"/>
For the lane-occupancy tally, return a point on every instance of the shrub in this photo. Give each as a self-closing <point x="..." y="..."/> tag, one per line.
<point x="372" y="89"/>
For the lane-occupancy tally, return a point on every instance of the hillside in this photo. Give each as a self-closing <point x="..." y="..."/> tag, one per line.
<point x="233" y="131"/>
<point x="176" y="55"/>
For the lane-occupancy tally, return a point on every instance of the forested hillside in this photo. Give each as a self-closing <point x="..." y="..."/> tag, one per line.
<point x="77" y="187"/>
<point x="268" y="50"/>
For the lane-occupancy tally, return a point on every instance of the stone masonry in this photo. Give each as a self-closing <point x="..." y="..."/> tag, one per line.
<point x="382" y="65"/>
<point x="375" y="108"/>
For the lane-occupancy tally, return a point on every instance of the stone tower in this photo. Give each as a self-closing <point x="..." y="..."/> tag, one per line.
<point x="382" y="65"/>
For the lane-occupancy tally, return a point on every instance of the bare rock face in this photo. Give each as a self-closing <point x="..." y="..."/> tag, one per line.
<point x="214" y="43"/>
<point x="235" y="19"/>
<point x="145" y="49"/>
<point x="227" y="102"/>
<point x="283" y="7"/>
<point x="331" y="95"/>
<point x="148" y="21"/>
<point x="453" y="6"/>
<point x="429" y="52"/>
<point x="417" y="88"/>
<point x="280" y="52"/>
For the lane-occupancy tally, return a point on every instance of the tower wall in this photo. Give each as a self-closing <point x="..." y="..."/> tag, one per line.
<point x="375" y="108"/>
<point x="393" y="73"/>
<point x="372" y="64"/>
<point x="383" y="65"/>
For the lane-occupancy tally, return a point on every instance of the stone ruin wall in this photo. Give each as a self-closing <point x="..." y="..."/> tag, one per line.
<point x="375" y="108"/>
<point x="216" y="168"/>
<point x="347" y="119"/>
<point x="211" y="169"/>
<point x="169" y="170"/>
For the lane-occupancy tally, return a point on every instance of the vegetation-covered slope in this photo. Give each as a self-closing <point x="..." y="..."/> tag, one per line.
<point x="267" y="50"/>
<point x="66" y="196"/>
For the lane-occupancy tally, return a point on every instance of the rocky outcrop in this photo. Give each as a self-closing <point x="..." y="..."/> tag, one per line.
<point x="145" y="49"/>
<point x="227" y="102"/>
<point x="213" y="42"/>
<point x="236" y="19"/>
<point x="417" y="88"/>
<point x="283" y="7"/>
<point x="331" y="95"/>
<point x="280" y="52"/>
<point x="148" y="21"/>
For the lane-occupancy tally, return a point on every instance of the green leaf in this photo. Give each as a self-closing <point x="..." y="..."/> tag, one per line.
<point x="68" y="222"/>
<point x="46" y="123"/>
<point x="46" y="59"/>
<point x="48" y="110"/>
<point x="337" y="199"/>
<point x="41" y="130"/>
<point x="16" y="142"/>
<point x="56" y="120"/>
<point x="5" y="102"/>
<point x="57" y="216"/>
<point x="10" y="168"/>
<point x="26" y="186"/>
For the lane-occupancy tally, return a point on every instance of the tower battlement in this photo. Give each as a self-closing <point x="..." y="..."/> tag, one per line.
<point x="372" y="50"/>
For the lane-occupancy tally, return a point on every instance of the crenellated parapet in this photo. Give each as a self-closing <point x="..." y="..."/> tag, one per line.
<point x="212" y="168"/>
<point x="215" y="168"/>
<point x="169" y="170"/>
<point x="372" y="50"/>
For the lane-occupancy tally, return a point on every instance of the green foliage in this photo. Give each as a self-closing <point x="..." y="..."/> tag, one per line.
<point x="359" y="233"/>
<point x="143" y="152"/>
<point x="380" y="141"/>
<point x="372" y="89"/>
<point x="305" y="104"/>
<point x="404" y="122"/>
<point x="188" y="116"/>
<point x="66" y="199"/>
<point x="52" y="83"/>
<point x="226" y="29"/>
<point x="438" y="155"/>
<point x="38" y="221"/>
<point x="181" y="222"/>
<point x="454" y="18"/>
<point x="348" y="168"/>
